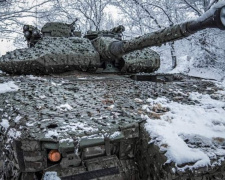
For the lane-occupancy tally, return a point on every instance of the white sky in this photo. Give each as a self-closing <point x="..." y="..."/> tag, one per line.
<point x="113" y="11"/>
<point x="6" y="45"/>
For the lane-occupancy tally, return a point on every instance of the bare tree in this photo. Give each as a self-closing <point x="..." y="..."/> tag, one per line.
<point x="90" y="12"/>
<point x="149" y="15"/>
<point x="206" y="40"/>
<point x="200" y="6"/>
<point x="13" y="14"/>
<point x="2" y="2"/>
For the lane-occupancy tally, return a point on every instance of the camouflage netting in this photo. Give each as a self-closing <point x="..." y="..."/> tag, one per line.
<point x="52" y="54"/>
<point x="145" y="60"/>
<point x="67" y="109"/>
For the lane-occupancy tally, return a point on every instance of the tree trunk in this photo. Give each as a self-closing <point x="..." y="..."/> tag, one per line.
<point x="173" y="55"/>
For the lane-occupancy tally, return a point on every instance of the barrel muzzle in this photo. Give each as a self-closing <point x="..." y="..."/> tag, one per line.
<point x="211" y="19"/>
<point x="218" y="19"/>
<point x="222" y="16"/>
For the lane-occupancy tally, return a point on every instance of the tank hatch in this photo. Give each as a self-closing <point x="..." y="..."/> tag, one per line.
<point x="58" y="29"/>
<point x="115" y="33"/>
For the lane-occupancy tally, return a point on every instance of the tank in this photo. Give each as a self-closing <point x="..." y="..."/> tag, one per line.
<point x="59" y="48"/>
<point x="85" y="125"/>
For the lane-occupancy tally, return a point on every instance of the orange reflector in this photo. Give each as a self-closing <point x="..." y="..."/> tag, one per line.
<point x="54" y="155"/>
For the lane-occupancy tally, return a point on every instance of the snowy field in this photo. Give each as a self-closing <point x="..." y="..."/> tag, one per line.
<point x="185" y="66"/>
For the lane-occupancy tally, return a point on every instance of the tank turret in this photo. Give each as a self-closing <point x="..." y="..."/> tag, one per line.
<point x="58" y="48"/>
<point x="113" y="50"/>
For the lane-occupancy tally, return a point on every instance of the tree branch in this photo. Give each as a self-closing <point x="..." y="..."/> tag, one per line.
<point x="195" y="9"/>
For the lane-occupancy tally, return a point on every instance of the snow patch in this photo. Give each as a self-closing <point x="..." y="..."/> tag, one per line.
<point x="111" y="106"/>
<point x="138" y="100"/>
<point x="185" y="66"/>
<point x="145" y="107"/>
<point x="32" y="77"/>
<point x="82" y="78"/>
<point x="51" y="175"/>
<point x="55" y="84"/>
<point x="81" y="126"/>
<point x="68" y="140"/>
<point x="115" y="134"/>
<point x="203" y="123"/>
<point x="206" y="100"/>
<point x="42" y="96"/>
<point x="49" y="134"/>
<point x="5" y="123"/>
<point x="17" y="119"/>
<point x="207" y="73"/>
<point x="220" y="152"/>
<point x="64" y="107"/>
<point x="29" y="124"/>
<point x="8" y="87"/>
<point x="14" y="133"/>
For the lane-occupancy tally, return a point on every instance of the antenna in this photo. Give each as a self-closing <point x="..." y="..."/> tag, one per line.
<point x="36" y="14"/>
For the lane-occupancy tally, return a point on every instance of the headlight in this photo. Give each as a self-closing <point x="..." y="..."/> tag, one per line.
<point x="54" y="156"/>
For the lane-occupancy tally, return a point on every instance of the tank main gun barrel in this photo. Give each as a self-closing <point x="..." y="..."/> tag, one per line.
<point x="211" y="19"/>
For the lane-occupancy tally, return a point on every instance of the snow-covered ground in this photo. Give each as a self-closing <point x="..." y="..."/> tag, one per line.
<point x="192" y="136"/>
<point x="185" y="65"/>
